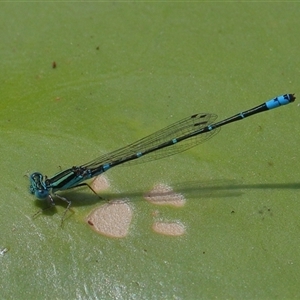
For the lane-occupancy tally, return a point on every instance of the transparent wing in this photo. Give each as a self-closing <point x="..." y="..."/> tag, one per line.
<point x="188" y="132"/>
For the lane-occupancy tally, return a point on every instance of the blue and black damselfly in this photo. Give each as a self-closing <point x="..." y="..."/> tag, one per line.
<point x="173" y="139"/>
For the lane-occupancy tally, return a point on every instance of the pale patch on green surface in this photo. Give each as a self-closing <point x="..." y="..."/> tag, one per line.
<point x="100" y="183"/>
<point x="111" y="219"/>
<point x="162" y="194"/>
<point x="169" y="228"/>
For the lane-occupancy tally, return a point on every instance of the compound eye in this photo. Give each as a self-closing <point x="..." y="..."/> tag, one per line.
<point x="41" y="193"/>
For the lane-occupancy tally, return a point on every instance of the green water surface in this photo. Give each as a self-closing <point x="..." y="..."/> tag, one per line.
<point x="124" y="70"/>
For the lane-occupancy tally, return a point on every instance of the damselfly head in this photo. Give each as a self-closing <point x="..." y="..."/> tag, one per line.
<point x="37" y="186"/>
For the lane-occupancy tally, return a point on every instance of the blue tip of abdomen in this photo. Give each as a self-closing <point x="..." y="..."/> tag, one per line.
<point x="280" y="100"/>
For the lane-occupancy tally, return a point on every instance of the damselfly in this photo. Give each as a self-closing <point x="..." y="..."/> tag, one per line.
<point x="173" y="139"/>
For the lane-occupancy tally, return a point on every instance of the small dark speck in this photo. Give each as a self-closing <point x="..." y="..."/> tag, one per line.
<point x="203" y="252"/>
<point x="90" y="222"/>
<point x="265" y="209"/>
<point x="97" y="48"/>
<point x="54" y="65"/>
<point x="232" y="211"/>
<point x="270" y="163"/>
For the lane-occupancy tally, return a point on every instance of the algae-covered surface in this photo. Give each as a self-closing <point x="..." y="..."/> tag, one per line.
<point x="82" y="79"/>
